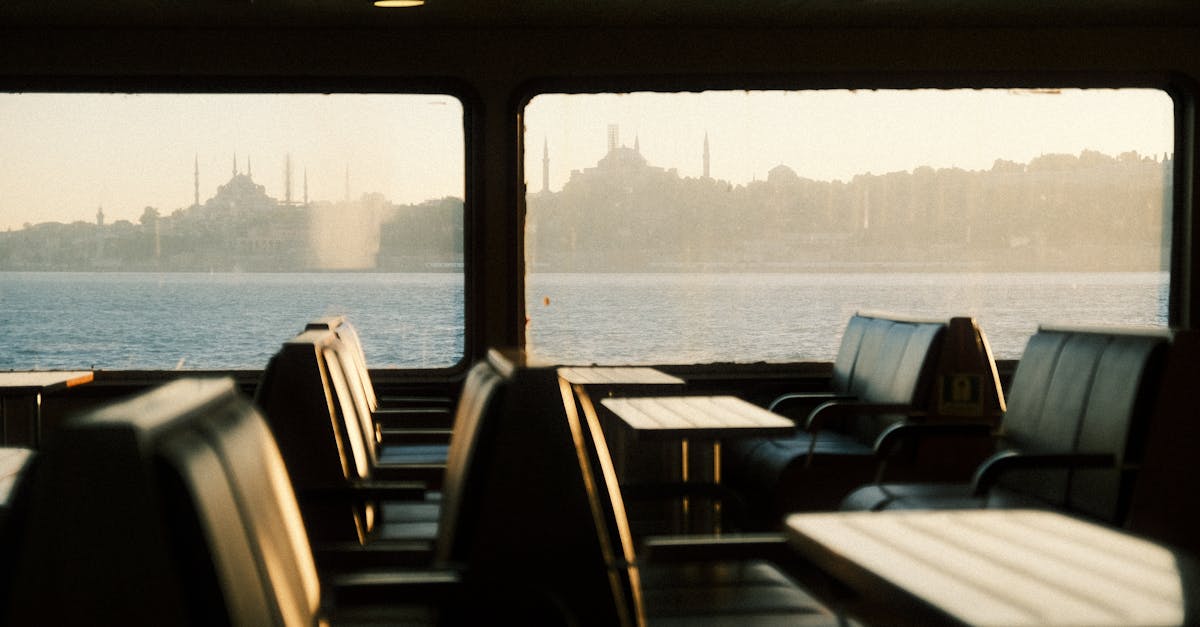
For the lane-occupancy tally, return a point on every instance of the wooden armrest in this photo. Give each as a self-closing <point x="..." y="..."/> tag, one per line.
<point x="1006" y="461"/>
<point x="901" y="432"/>
<point x="833" y="410"/>
<point x="663" y="549"/>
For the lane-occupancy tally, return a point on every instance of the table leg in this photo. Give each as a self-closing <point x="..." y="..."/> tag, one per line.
<point x="716" y="453"/>
<point x="685" y="476"/>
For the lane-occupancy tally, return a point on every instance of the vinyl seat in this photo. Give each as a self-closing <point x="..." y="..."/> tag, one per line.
<point x="1072" y="437"/>
<point x="349" y="491"/>
<point x="885" y="374"/>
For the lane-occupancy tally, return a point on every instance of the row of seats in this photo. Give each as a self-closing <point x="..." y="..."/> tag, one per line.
<point x="175" y="508"/>
<point x="889" y="372"/>
<point x="185" y="487"/>
<point x="1079" y="410"/>
<point x="354" y="487"/>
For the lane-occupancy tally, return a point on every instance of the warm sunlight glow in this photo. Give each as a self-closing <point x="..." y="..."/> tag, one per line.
<point x="398" y="4"/>
<point x="749" y="225"/>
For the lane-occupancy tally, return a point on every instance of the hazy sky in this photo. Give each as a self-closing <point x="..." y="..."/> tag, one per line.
<point x="65" y="155"/>
<point x="825" y="135"/>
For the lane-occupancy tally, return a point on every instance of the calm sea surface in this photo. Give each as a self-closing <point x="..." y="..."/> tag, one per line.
<point x="198" y="321"/>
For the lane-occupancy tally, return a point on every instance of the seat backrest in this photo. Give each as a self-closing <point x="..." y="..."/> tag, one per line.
<point x="608" y="508"/>
<point x="896" y="364"/>
<point x="870" y="347"/>
<point x="171" y="508"/>
<point x="1086" y="391"/>
<point x="356" y="357"/>
<point x="514" y="501"/>
<point x="1166" y="501"/>
<point x="843" y="363"/>
<point x="312" y="414"/>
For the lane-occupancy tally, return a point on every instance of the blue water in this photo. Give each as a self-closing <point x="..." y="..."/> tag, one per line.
<point x="203" y="321"/>
<point x="200" y="321"/>
<point x="683" y="318"/>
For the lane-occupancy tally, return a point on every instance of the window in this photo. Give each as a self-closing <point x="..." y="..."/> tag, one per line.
<point x="198" y="231"/>
<point x="748" y="226"/>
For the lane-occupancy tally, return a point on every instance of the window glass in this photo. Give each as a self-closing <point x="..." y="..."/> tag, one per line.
<point x="748" y="226"/>
<point x="198" y="231"/>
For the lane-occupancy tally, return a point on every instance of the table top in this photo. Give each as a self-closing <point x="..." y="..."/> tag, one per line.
<point x="997" y="567"/>
<point x="617" y="375"/>
<point x="42" y="381"/>
<point x="715" y="417"/>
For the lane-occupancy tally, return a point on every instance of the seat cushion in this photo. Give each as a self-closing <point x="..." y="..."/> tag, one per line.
<point x="878" y="497"/>
<point x="413" y="454"/>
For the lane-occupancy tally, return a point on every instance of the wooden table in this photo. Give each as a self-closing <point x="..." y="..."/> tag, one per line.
<point x="617" y="376"/>
<point x="996" y="567"/>
<point x="602" y="381"/>
<point x="709" y="419"/>
<point x="21" y="401"/>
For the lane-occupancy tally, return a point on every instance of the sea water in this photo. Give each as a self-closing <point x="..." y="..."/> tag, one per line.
<point x="238" y="320"/>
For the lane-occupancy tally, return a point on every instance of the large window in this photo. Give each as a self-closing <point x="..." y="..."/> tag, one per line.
<point x="748" y="226"/>
<point x="197" y="231"/>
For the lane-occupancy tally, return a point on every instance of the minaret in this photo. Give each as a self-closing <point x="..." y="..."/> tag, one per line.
<point x="196" y="182"/>
<point x="287" y="180"/>
<point x="249" y="173"/>
<point x="347" y="182"/>
<point x="100" y="216"/>
<point x="305" y="187"/>
<point x="614" y="137"/>
<point x="235" y="164"/>
<point x="545" y="165"/>
<point x="706" y="154"/>
<point x="637" y="144"/>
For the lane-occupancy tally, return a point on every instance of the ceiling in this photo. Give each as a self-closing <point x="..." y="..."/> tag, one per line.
<point x="591" y="13"/>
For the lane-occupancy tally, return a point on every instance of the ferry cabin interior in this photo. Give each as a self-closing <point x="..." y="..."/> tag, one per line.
<point x="393" y="436"/>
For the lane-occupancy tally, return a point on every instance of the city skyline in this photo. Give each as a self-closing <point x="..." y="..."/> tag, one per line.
<point x="832" y="135"/>
<point x="68" y="155"/>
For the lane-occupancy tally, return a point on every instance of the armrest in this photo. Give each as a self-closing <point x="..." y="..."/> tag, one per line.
<point x="414" y="418"/>
<point x="352" y="556"/>
<point x="401" y="401"/>
<point x="844" y="409"/>
<point x="414" y="436"/>
<point x="391" y="586"/>
<point x="770" y="546"/>
<point x="803" y="402"/>
<point x="902" y="432"/>
<point x="1006" y="461"/>
<point x="430" y="475"/>
<point x="370" y="490"/>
